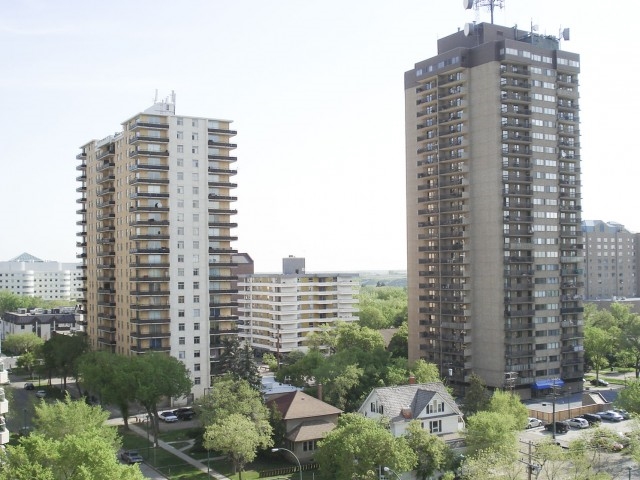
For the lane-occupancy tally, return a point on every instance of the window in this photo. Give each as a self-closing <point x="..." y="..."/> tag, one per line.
<point x="196" y="326"/>
<point x="196" y="340"/>
<point x="181" y="299"/>
<point x="180" y="175"/>
<point x="435" y="426"/>
<point x="196" y="217"/>
<point x="180" y="230"/>
<point x="196" y="204"/>
<point x="196" y="285"/>
<point x="196" y="381"/>
<point x="180" y="148"/>
<point x="309" y="446"/>
<point x="196" y="190"/>
<point x="180" y="162"/>
<point x="194" y="136"/>
<point x="180" y="313"/>
<point x="181" y="341"/>
<point x="196" y="313"/>
<point x="195" y="163"/>
<point x="180" y="285"/>
<point x="196" y="272"/>
<point x="181" y="217"/>
<point x="181" y="355"/>
<point x="180" y="245"/>
<point x="196" y="244"/>
<point x="196" y="299"/>
<point x="196" y="367"/>
<point x="181" y="272"/>
<point x="179" y="189"/>
<point x="196" y="354"/>
<point x="181" y="327"/>
<point x="180" y="258"/>
<point x="179" y="135"/>
<point x="194" y="122"/>
<point x="196" y="231"/>
<point x="196" y="257"/>
<point x="194" y="149"/>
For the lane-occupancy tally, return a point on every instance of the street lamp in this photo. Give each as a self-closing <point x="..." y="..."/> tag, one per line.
<point x="387" y="470"/>
<point x="294" y="455"/>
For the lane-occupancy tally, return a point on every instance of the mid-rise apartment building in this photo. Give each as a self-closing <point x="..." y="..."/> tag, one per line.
<point x="611" y="260"/>
<point x="31" y="276"/>
<point x="278" y="311"/>
<point x="495" y="249"/>
<point x="157" y="209"/>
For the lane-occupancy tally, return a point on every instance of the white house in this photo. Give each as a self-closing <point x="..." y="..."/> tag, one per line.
<point x="430" y="403"/>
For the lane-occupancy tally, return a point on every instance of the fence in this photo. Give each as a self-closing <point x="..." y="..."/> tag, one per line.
<point x="287" y="470"/>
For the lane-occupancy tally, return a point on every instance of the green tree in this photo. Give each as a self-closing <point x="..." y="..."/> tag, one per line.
<point x="432" y="452"/>
<point x="509" y="405"/>
<point x="358" y="446"/>
<point x="239" y="362"/>
<point x="239" y="438"/>
<point x="158" y="376"/>
<point x="630" y="340"/>
<point x="424" y="372"/>
<point x="598" y="345"/>
<point x="229" y="397"/>
<point x="21" y="343"/>
<point x="270" y="360"/>
<point x="371" y="317"/>
<point x="629" y="398"/>
<point x="489" y="465"/>
<point x="28" y="360"/>
<point x="491" y="431"/>
<point x="476" y="398"/>
<point x="71" y="441"/>
<point x="61" y="355"/>
<point x="111" y="377"/>
<point x="399" y="344"/>
<point x="340" y="387"/>
<point x="353" y="336"/>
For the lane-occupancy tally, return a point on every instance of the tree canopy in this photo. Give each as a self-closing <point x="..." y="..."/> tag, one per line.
<point x="358" y="446"/>
<point x="71" y="442"/>
<point x="21" y="343"/>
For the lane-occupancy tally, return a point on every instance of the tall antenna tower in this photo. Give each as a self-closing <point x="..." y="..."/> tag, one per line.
<point x="477" y="4"/>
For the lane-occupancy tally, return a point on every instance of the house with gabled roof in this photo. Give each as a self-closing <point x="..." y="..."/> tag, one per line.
<point x="307" y="420"/>
<point x="430" y="403"/>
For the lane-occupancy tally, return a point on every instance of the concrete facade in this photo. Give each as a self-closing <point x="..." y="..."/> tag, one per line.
<point x="28" y="275"/>
<point x="495" y="250"/>
<point x="156" y="232"/>
<point x="612" y="256"/>
<point x="277" y="311"/>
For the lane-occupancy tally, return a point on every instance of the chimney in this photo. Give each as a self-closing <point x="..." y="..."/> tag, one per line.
<point x="412" y="380"/>
<point x="320" y="392"/>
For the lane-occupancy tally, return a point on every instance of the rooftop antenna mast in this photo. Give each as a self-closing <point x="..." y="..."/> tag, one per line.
<point x="491" y="4"/>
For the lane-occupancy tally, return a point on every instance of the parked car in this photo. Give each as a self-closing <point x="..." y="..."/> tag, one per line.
<point x="611" y="416"/>
<point x="184" y="413"/>
<point x="561" y="427"/>
<point x="599" y="383"/>
<point x="534" y="422"/>
<point x="168" y="417"/>
<point x="41" y="394"/>
<point x="131" y="457"/>
<point x="592" y="418"/>
<point x="578" y="423"/>
<point x="626" y="415"/>
<point x="29" y="386"/>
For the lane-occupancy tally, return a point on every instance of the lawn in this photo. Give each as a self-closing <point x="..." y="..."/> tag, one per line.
<point x="175" y="468"/>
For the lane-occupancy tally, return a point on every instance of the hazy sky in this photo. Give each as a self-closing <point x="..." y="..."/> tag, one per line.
<point x="316" y="93"/>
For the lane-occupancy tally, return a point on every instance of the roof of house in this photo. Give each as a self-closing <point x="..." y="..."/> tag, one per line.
<point x="412" y="399"/>
<point x="298" y="404"/>
<point x="310" y="430"/>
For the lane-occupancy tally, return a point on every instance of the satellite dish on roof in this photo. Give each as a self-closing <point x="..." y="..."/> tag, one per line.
<point x="566" y="34"/>
<point x="467" y="4"/>
<point x="469" y="29"/>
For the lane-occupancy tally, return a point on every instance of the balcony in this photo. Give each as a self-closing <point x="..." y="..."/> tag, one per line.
<point x="145" y="138"/>
<point x="162" y="306"/>
<point x="150" y="153"/>
<point x="142" y="124"/>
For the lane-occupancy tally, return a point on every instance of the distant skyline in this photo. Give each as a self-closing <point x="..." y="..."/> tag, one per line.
<point x="316" y="94"/>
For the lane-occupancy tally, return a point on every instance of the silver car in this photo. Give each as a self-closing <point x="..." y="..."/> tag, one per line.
<point x="578" y="423"/>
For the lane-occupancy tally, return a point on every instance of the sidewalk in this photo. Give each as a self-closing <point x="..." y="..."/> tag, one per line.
<point x="183" y="456"/>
